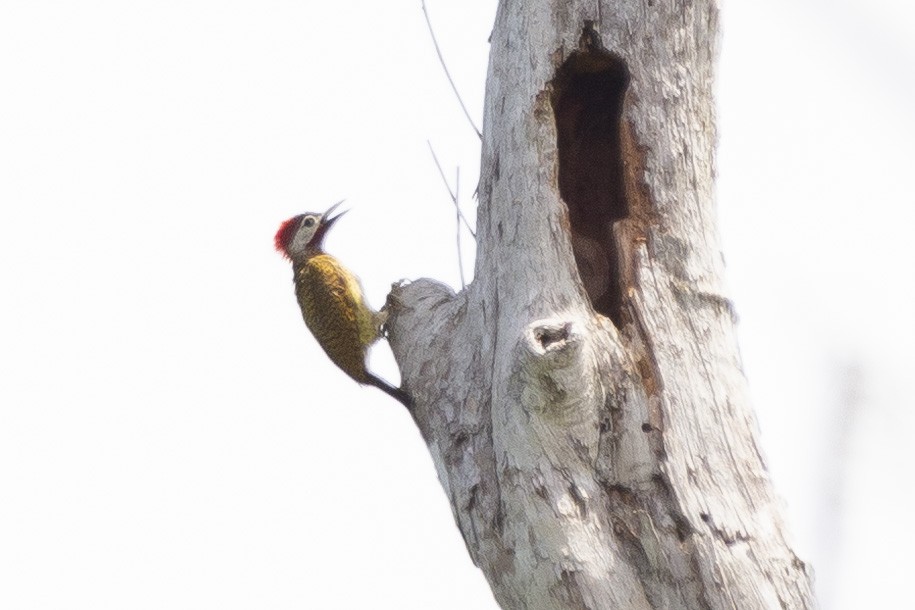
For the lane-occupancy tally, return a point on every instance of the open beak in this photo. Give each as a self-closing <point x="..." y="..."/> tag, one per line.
<point x="327" y="219"/>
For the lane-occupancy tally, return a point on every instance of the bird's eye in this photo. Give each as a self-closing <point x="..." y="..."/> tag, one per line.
<point x="309" y="222"/>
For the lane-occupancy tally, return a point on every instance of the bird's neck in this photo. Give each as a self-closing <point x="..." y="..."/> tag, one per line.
<point x="309" y="253"/>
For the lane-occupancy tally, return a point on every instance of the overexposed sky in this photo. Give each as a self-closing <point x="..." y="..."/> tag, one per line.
<point x="172" y="437"/>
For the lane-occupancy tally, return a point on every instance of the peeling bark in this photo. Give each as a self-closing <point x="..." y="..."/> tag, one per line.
<point x="583" y="398"/>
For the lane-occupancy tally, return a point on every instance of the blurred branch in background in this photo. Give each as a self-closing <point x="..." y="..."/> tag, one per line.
<point x="835" y="459"/>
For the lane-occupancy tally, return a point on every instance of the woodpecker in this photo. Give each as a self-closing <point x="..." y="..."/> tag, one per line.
<point x="331" y="298"/>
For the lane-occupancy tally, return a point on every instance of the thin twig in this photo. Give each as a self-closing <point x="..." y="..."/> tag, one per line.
<point x="457" y="225"/>
<point x="455" y="198"/>
<point x="450" y="192"/>
<point x="441" y="59"/>
<point x="440" y="172"/>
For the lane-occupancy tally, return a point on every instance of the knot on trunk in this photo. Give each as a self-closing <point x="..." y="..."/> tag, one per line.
<point x="556" y="370"/>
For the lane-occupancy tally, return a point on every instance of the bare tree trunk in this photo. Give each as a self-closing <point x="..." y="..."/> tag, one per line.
<point x="583" y="399"/>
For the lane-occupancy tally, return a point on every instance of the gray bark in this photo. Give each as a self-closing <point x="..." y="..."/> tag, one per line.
<point x="583" y="398"/>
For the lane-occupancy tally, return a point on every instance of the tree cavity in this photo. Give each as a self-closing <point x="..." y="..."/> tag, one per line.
<point x="588" y="93"/>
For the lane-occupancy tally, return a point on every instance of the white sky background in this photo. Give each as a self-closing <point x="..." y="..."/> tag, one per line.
<point x="172" y="437"/>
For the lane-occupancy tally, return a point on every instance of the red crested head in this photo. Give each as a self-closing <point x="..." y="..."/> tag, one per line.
<point x="302" y="236"/>
<point x="284" y="236"/>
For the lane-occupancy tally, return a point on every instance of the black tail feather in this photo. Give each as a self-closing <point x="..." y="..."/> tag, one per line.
<point x="395" y="393"/>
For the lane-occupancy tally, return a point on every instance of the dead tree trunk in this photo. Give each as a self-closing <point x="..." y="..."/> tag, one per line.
<point x="583" y="399"/>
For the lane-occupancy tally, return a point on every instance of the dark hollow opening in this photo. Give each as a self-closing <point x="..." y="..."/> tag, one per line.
<point x="588" y="94"/>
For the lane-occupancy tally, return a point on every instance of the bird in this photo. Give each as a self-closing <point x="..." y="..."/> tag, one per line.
<point x="331" y="299"/>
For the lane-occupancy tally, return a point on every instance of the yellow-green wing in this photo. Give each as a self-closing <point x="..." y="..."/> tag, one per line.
<point x="335" y="312"/>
